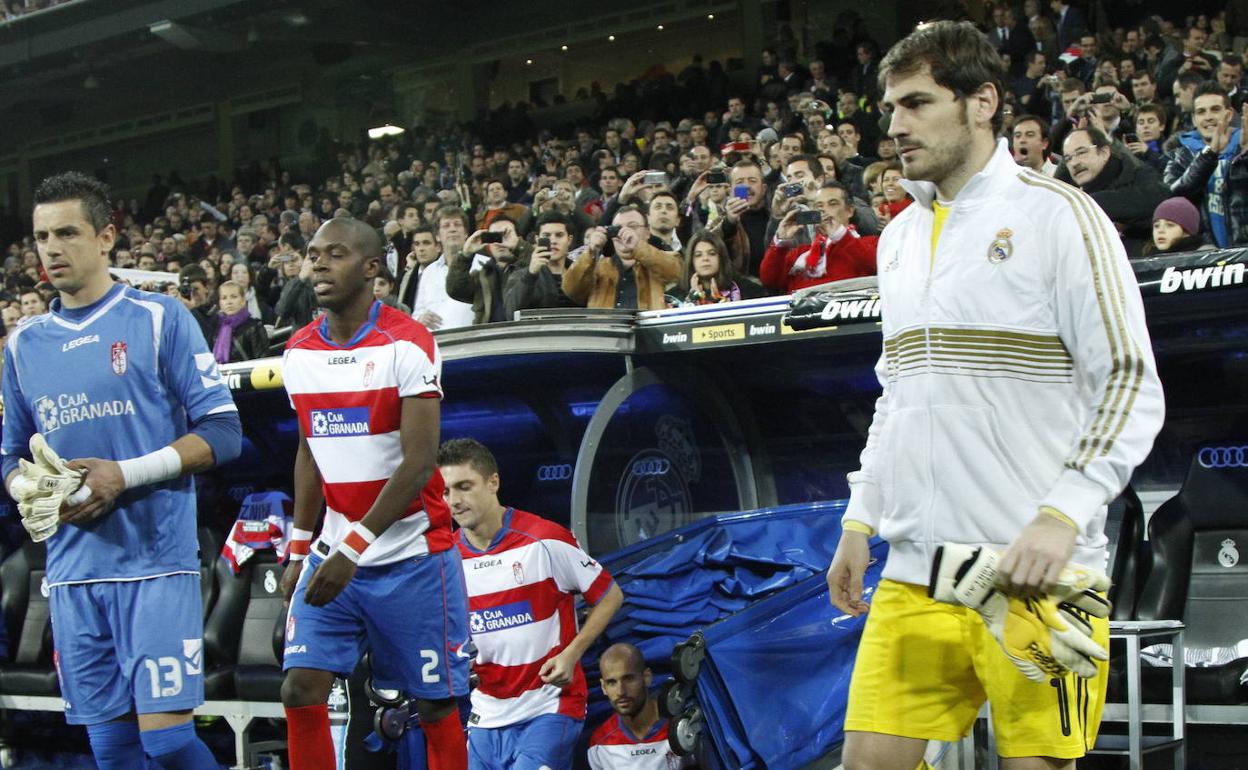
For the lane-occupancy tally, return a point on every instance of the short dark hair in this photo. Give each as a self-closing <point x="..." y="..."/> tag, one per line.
<point x="470" y="452"/>
<point x="294" y="240"/>
<point x="424" y="228"/>
<point x="401" y="209"/>
<point x="451" y="212"/>
<point x="812" y="162"/>
<point x="1233" y="60"/>
<point x="1187" y="80"/>
<point x="1072" y="84"/>
<point x="832" y="184"/>
<point x="629" y="208"/>
<point x="1155" y="109"/>
<point x="1040" y="122"/>
<point x="77" y="186"/>
<point x="193" y="274"/>
<point x="664" y="193"/>
<point x="1096" y="136"/>
<point x="958" y="56"/>
<point x="1208" y="88"/>
<point x="557" y="218"/>
<point x="1144" y="73"/>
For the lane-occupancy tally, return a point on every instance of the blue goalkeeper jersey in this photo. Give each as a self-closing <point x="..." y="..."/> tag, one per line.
<point x="115" y="380"/>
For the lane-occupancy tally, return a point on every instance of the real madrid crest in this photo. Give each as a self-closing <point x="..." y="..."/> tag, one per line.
<point x="1001" y="247"/>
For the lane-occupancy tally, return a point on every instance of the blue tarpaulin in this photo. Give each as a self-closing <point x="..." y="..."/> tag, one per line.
<point x="774" y="682"/>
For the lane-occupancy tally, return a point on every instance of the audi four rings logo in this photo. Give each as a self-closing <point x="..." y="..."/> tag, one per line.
<point x="1223" y="457"/>
<point x="554" y="472"/>
<point x="651" y="466"/>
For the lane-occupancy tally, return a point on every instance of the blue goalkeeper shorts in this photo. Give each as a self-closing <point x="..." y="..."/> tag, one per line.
<point x="134" y="645"/>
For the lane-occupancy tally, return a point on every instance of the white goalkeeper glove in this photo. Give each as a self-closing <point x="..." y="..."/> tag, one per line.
<point x="1077" y="585"/>
<point x="1043" y="637"/>
<point x="40" y="487"/>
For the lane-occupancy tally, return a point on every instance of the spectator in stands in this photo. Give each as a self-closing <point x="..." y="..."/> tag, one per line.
<point x="1209" y="168"/>
<point x="1150" y="125"/>
<point x="242" y="274"/>
<point x="1124" y="187"/>
<point x="835" y="252"/>
<point x="707" y="277"/>
<point x="232" y="333"/>
<point x="386" y="290"/>
<point x="559" y="197"/>
<point x="1144" y="88"/>
<point x="1031" y="88"/>
<point x="210" y="238"/>
<point x="849" y="174"/>
<point x="663" y="214"/>
<point x="495" y="204"/>
<point x="1070" y="24"/>
<point x="635" y="276"/>
<point x="821" y="85"/>
<point x="850" y="113"/>
<point x="424" y="252"/>
<point x="518" y="183"/>
<point x="540" y="283"/>
<point x="296" y="303"/>
<point x="1230" y="76"/>
<point x="433" y="306"/>
<point x="635" y="735"/>
<point x="1192" y="58"/>
<point x="747" y="217"/>
<point x="32" y="304"/>
<point x="1185" y="87"/>
<point x="481" y="274"/>
<point x="1085" y="66"/>
<point x="1176" y="228"/>
<point x="11" y="315"/>
<point x="864" y="78"/>
<point x="735" y="120"/>
<point x="1068" y="92"/>
<point x="1031" y="144"/>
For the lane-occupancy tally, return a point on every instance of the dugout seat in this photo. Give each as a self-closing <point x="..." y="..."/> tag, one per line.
<point x="1198" y="575"/>
<point x="24" y="600"/>
<point x="244" y="603"/>
<point x="258" y="676"/>
<point x="1124" y="529"/>
<point x="209" y="555"/>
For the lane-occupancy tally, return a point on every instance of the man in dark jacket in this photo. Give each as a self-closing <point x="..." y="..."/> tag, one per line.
<point x="479" y="275"/>
<point x="1124" y="187"/>
<point x="540" y="283"/>
<point x="1210" y="168"/>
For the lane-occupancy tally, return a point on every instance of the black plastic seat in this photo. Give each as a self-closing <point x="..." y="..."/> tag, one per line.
<point x="209" y="555"/>
<point x="232" y="618"/>
<point x="258" y="675"/>
<point x="27" y="619"/>
<point x="1124" y="528"/>
<point x="1199" y="574"/>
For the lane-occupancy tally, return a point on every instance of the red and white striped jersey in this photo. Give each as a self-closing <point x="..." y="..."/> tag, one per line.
<point x="349" y="400"/>
<point x="521" y="612"/>
<point x="613" y="747"/>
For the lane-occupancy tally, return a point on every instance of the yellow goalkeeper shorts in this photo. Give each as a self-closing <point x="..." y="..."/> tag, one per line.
<point x="925" y="668"/>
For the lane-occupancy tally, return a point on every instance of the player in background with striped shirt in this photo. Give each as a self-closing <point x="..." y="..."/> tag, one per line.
<point x="635" y="736"/>
<point x="522" y="572"/>
<point x="364" y="381"/>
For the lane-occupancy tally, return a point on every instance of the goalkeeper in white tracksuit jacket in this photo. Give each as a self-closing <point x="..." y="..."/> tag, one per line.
<point x="1019" y="393"/>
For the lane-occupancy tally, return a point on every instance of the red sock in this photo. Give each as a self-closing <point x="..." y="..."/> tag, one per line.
<point x="446" y="748"/>
<point x="308" y="742"/>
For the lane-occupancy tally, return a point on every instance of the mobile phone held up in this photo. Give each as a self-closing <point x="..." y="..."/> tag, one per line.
<point x="716" y="177"/>
<point x="491" y="237"/>
<point x="741" y="191"/>
<point x="808" y="218"/>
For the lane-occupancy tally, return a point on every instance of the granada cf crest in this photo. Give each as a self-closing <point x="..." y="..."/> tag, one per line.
<point x="517" y="572"/>
<point x="368" y="373"/>
<point x="119" y="358"/>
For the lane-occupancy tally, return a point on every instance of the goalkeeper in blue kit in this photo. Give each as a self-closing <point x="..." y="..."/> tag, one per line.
<point x="112" y="400"/>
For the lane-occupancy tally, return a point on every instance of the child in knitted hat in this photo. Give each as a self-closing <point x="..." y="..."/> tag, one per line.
<point x="1176" y="227"/>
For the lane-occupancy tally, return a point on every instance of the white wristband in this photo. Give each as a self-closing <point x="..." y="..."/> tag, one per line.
<point x="151" y="468"/>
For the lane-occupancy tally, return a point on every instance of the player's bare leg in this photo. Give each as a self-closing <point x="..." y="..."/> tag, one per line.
<point x="877" y="751"/>
<point x="305" y="695"/>
<point x="446" y="748"/>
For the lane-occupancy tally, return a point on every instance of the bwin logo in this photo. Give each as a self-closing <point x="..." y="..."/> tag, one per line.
<point x="1223" y="457"/>
<point x="561" y="472"/>
<point x="652" y="466"/>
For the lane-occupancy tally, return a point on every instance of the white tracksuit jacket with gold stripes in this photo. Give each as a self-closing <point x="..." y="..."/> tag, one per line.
<point x="1017" y="371"/>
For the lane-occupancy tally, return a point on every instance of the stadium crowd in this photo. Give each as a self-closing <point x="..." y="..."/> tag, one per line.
<point x="690" y="189"/>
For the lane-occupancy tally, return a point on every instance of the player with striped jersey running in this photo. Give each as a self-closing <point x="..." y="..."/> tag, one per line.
<point x="522" y="573"/>
<point x="364" y="381"/>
